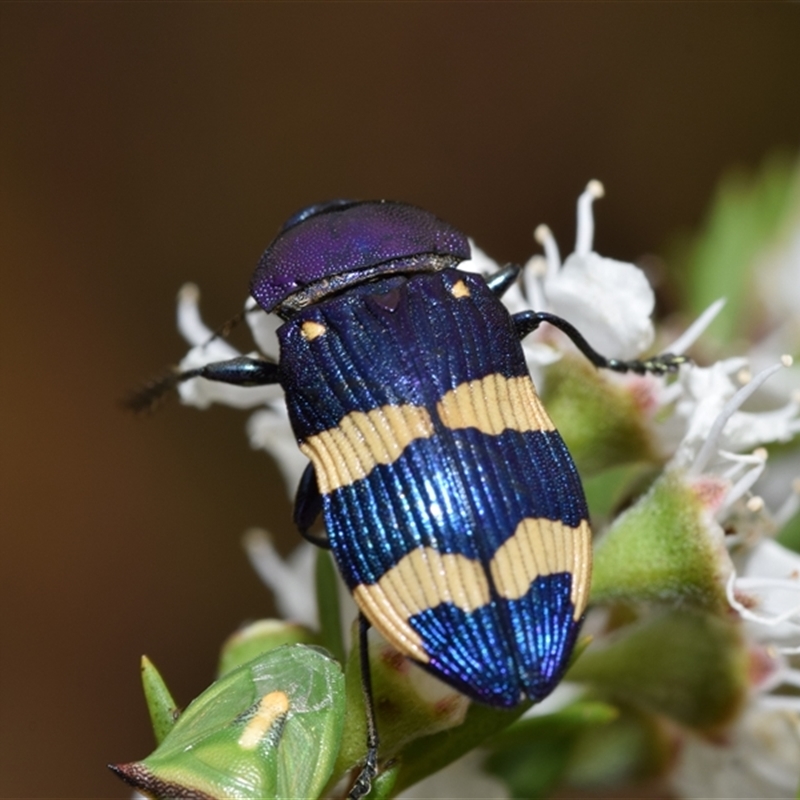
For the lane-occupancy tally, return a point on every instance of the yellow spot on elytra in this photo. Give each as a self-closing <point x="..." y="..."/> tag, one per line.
<point x="494" y="404"/>
<point x="310" y="330"/>
<point x="541" y="547"/>
<point x="460" y="289"/>
<point x="362" y="440"/>
<point x="270" y="708"/>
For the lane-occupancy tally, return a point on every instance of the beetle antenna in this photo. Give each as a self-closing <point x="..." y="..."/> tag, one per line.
<point x="239" y="371"/>
<point x="224" y="330"/>
<point x="147" y="398"/>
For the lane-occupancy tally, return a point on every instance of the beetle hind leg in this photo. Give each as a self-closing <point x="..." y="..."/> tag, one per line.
<point x="369" y="769"/>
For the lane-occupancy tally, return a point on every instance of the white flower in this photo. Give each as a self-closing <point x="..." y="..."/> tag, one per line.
<point x="759" y="756"/>
<point x="291" y="580"/>
<point x="610" y="301"/>
<point x="758" y="759"/>
<point x="207" y="348"/>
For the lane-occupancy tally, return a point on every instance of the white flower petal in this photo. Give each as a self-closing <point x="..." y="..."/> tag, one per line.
<point x="270" y="430"/>
<point x="480" y="262"/>
<point x="609" y="301"/>
<point x="760" y="760"/>
<point x="291" y="581"/>
<point x="696" y="329"/>
<point x="769" y="577"/>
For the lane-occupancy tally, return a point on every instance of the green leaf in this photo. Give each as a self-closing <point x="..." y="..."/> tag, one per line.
<point x="269" y="729"/>
<point x="789" y="535"/>
<point x="689" y="666"/>
<point x="533" y="755"/>
<point x="609" y="489"/>
<point x="330" y="616"/>
<point x="635" y="746"/>
<point x="430" y="754"/>
<point x="602" y="422"/>
<point x="163" y="709"/>
<point x="748" y="210"/>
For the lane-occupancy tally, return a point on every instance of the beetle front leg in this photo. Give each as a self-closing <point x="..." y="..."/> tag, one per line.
<point x="528" y="321"/>
<point x="241" y="371"/>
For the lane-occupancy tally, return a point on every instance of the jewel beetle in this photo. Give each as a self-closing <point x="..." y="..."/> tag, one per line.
<point x="450" y="502"/>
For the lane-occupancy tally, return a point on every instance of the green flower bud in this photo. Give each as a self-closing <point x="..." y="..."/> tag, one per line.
<point x="603" y="422"/>
<point x="689" y="666"/>
<point x="269" y="729"/>
<point x="665" y="549"/>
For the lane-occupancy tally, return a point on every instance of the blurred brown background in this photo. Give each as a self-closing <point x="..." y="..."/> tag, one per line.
<point x="144" y="145"/>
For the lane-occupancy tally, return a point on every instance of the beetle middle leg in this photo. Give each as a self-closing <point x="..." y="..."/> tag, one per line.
<point x="528" y="321"/>
<point x="308" y="507"/>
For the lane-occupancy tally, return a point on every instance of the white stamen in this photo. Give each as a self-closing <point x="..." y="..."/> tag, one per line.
<point x="755" y="504"/>
<point x="741" y="487"/>
<point x="735" y="582"/>
<point x="739" y="460"/>
<point x="585" y="235"/>
<point x="728" y="410"/>
<point x="545" y="237"/>
<point x="696" y="329"/>
<point x="780" y="702"/>
<point x="532" y="275"/>
<point x="789" y="677"/>
<point x="744" y="376"/>
<point x="284" y="576"/>
<point x="790" y="506"/>
<point x="787" y="360"/>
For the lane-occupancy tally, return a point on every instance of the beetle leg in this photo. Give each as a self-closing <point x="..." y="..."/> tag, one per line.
<point x="241" y="371"/>
<point x="308" y="506"/>
<point x="369" y="770"/>
<point x="502" y="280"/>
<point x="528" y="321"/>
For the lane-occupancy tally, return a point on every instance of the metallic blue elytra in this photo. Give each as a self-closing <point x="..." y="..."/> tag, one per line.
<point x="451" y="504"/>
